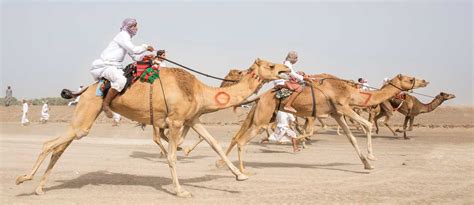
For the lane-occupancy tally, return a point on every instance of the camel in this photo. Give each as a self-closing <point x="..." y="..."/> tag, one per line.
<point x="410" y="107"/>
<point x="334" y="97"/>
<point x="234" y="76"/>
<point x="177" y="106"/>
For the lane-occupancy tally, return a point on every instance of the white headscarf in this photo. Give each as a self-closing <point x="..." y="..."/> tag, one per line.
<point x="127" y="25"/>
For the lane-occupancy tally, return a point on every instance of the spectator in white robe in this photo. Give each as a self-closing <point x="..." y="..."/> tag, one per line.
<point x="24" y="116"/>
<point x="44" y="113"/>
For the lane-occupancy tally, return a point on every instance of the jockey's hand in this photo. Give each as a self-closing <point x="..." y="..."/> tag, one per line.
<point x="150" y="48"/>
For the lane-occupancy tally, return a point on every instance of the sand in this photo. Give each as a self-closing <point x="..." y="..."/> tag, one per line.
<point x="121" y="165"/>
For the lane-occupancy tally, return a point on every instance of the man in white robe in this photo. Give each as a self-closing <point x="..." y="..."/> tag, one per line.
<point x="109" y="65"/>
<point x="44" y="113"/>
<point x="24" y="116"/>
<point x="283" y="131"/>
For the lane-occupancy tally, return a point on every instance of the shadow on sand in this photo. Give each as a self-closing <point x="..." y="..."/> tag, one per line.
<point x="156" y="157"/>
<point x="109" y="178"/>
<point x="328" y="166"/>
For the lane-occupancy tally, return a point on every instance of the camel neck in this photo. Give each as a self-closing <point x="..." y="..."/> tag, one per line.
<point x="431" y="106"/>
<point x="224" y="97"/>
<point x="370" y="98"/>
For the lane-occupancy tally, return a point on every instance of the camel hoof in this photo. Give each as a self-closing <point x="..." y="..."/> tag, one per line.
<point x="220" y="164"/>
<point x="183" y="194"/>
<point x="242" y="177"/>
<point x="371" y="157"/>
<point x="407" y="138"/>
<point x="39" y="191"/>
<point x="395" y="134"/>
<point x="368" y="167"/>
<point x="22" y="179"/>
<point x="186" y="151"/>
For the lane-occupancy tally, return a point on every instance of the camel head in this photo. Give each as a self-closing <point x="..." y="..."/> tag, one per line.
<point x="268" y="71"/>
<point x="234" y="75"/>
<point x="445" y="96"/>
<point x="408" y="83"/>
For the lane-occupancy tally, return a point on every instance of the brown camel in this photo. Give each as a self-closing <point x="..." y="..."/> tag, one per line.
<point x="234" y="76"/>
<point x="410" y="107"/>
<point x="185" y="99"/>
<point x="334" y="97"/>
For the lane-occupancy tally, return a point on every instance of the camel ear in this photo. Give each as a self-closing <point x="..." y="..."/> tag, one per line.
<point x="258" y="61"/>
<point x="240" y="72"/>
<point x="399" y="76"/>
<point x="442" y="93"/>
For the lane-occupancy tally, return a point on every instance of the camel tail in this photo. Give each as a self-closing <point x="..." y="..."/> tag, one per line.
<point x="68" y="94"/>
<point x="247" y="123"/>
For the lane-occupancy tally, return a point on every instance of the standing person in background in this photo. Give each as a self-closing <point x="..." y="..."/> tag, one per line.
<point x="116" y="119"/>
<point x="24" y="116"/>
<point x="8" y="96"/>
<point x="44" y="113"/>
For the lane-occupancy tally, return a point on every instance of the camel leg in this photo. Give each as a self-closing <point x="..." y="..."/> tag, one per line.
<point x="385" y="122"/>
<point x="404" y="128"/>
<point x="367" y="127"/>
<point x="85" y="114"/>
<point x="157" y="140"/>
<point x="376" y="119"/>
<point x="175" y="131"/>
<point x="57" y="152"/>
<point x="412" y="118"/>
<point x="188" y="150"/>
<point x="48" y="147"/>
<point x="340" y="120"/>
<point x="217" y="148"/>
<point x="241" y="142"/>
<point x="323" y="124"/>
<point x="338" y="131"/>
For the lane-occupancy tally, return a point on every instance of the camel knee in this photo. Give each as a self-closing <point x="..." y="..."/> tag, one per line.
<point x="80" y="133"/>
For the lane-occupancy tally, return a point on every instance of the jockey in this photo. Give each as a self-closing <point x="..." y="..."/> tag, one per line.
<point x="296" y="80"/>
<point x="109" y="65"/>
<point x="159" y="61"/>
<point x="363" y="85"/>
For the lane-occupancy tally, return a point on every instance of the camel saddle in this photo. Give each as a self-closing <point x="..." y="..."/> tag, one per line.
<point x="143" y="70"/>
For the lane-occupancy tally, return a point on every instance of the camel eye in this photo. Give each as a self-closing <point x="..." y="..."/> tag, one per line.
<point x="272" y="66"/>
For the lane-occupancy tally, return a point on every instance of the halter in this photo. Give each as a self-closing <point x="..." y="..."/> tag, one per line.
<point x="412" y="86"/>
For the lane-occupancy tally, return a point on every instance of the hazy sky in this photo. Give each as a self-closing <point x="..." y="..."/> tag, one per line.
<point x="50" y="45"/>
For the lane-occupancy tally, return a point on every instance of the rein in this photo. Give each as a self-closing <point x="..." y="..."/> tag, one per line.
<point x="198" y="72"/>
<point x="321" y="80"/>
